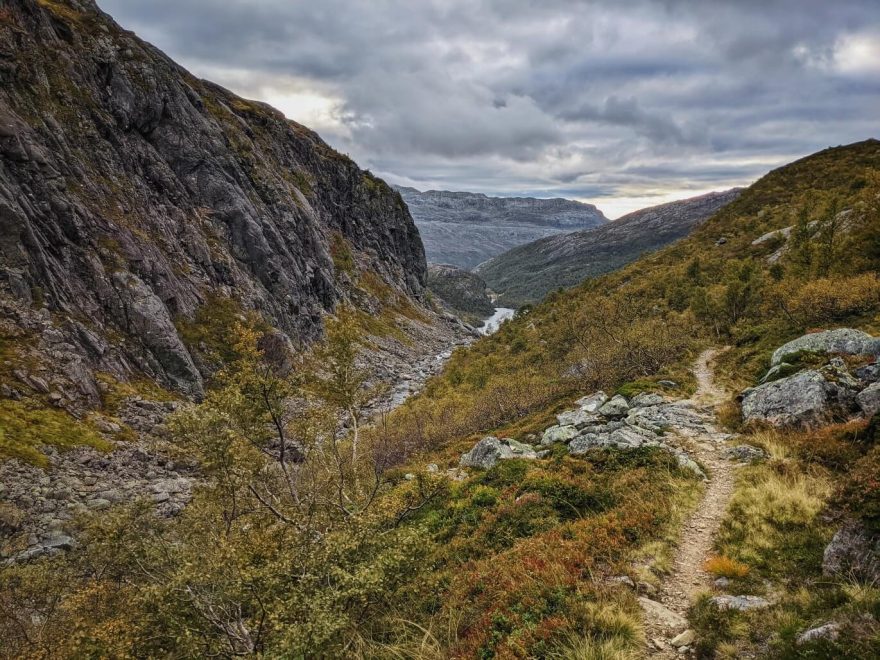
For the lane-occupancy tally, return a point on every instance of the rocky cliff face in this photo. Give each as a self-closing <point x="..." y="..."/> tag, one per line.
<point x="464" y="229"/>
<point x="132" y="193"/>
<point x="527" y="273"/>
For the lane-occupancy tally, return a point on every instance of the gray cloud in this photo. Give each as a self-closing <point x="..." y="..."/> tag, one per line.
<point x="595" y="99"/>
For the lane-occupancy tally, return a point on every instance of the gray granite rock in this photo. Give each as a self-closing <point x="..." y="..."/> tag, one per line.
<point x="488" y="451"/>
<point x="559" y="434"/>
<point x="617" y="406"/>
<point x="842" y="340"/>
<point x="868" y="400"/>
<point x="854" y="552"/>
<point x="592" y="402"/>
<point x="805" y="399"/>
<point x="829" y="631"/>
<point x="741" y="603"/>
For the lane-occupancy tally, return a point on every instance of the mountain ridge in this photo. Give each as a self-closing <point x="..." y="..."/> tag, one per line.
<point x="527" y="272"/>
<point x="464" y="229"/>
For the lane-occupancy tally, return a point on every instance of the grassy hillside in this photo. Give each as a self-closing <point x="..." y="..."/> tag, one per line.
<point x="354" y="548"/>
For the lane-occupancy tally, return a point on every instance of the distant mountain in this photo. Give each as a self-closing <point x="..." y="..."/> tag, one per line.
<point x="528" y="272"/>
<point x="464" y="229"/>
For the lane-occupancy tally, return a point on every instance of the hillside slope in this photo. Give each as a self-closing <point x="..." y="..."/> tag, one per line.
<point x="134" y="196"/>
<point x="512" y="510"/>
<point x="527" y="273"/>
<point x="464" y="293"/>
<point x="464" y="229"/>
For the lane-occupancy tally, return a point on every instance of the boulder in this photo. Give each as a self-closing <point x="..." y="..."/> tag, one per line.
<point x="684" y="639"/>
<point x="744" y="453"/>
<point x="488" y="451"/>
<point x="577" y="418"/>
<point x="661" y="614"/>
<point x="593" y="402"/>
<point x="853" y="552"/>
<point x="558" y="434"/>
<point x="646" y="399"/>
<point x="868" y="374"/>
<point x="805" y="399"/>
<point x="868" y="400"/>
<point x="616" y="407"/>
<point x="829" y="631"/>
<point x="686" y="462"/>
<point x="741" y="603"/>
<point x="842" y="340"/>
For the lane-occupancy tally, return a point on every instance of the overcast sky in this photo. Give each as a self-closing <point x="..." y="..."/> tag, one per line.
<point x="623" y="103"/>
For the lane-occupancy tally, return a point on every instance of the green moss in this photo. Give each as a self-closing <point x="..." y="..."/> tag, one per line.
<point x="27" y="425"/>
<point x="343" y="258"/>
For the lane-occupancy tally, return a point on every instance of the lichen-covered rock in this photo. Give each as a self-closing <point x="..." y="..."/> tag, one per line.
<point x="592" y="402"/>
<point x="842" y="340"/>
<point x="488" y="451"/>
<point x="741" y="603"/>
<point x="559" y="434"/>
<point x="829" y="631"/>
<point x="853" y="552"/>
<point x="805" y="399"/>
<point x="646" y="399"/>
<point x="744" y="453"/>
<point x="577" y="418"/>
<point x="869" y="400"/>
<point x="616" y="407"/>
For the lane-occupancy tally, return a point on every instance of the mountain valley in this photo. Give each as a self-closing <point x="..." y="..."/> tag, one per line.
<point x="246" y="409"/>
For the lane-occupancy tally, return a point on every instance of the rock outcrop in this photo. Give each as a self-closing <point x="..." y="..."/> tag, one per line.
<point x="843" y="341"/>
<point x="813" y="397"/>
<point x="488" y="451"/>
<point x="527" y="273"/>
<point x="854" y="552"/>
<point x="647" y="420"/>
<point x="465" y="229"/>
<point x="133" y="194"/>
<point x="461" y="292"/>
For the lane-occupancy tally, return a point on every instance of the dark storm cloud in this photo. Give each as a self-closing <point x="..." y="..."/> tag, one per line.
<point x="593" y="99"/>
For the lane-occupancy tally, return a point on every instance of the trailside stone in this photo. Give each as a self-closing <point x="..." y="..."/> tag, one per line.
<point x="488" y="451"/>
<point x="663" y="615"/>
<point x="853" y="552"/>
<point x="830" y="631"/>
<point x="558" y="434"/>
<point x="744" y="453"/>
<point x="869" y="399"/>
<point x="646" y="399"/>
<point x="842" y="340"/>
<point x="593" y="402"/>
<point x="578" y="418"/>
<point x="741" y="603"/>
<point x="805" y="399"/>
<point x="616" y="407"/>
<point x="868" y="374"/>
<point x="686" y="462"/>
<point x="684" y="639"/>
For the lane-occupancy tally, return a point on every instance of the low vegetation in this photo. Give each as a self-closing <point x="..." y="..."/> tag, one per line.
<point x="775" y="533"/>
<point x="315" y="537"/>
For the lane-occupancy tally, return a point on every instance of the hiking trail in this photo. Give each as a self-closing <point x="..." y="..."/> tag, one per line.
<point x="694" y="545"/>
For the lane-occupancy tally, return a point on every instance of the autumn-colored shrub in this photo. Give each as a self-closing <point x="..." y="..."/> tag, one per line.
<point x="860" y="492"/>
<point x="721" y="566"/>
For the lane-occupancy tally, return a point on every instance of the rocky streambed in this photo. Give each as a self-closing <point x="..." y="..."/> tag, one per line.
<point x="38" y="505"/>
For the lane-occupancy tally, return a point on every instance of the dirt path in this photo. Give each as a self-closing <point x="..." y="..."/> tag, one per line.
<point x="695" y="544"/>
